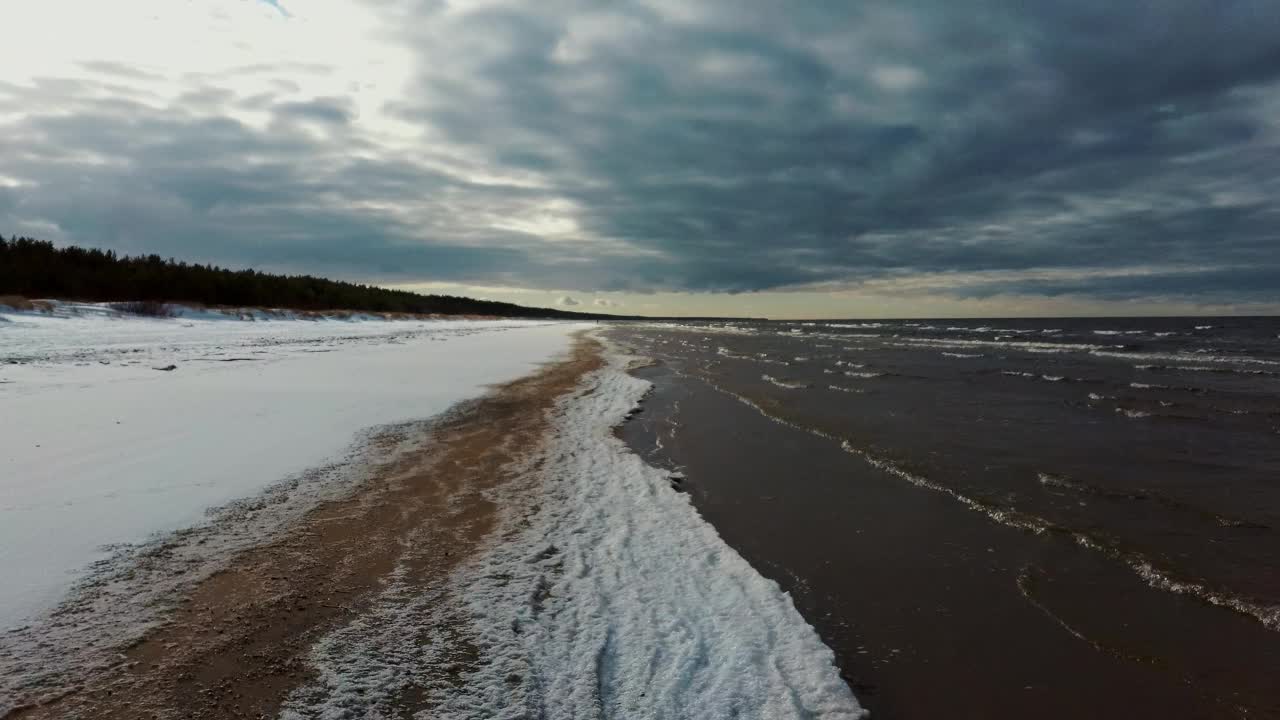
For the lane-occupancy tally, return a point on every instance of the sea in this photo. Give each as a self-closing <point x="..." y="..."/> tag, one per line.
<point x="996" y="518"/>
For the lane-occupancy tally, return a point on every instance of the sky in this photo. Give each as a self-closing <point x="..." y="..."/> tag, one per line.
<point x="907" y="158"/>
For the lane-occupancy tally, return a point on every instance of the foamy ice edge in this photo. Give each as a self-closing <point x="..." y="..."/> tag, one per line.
<point x="603" y="593"/>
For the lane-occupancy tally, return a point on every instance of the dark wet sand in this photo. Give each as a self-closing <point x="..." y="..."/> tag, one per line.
<point x="934" y="610"/>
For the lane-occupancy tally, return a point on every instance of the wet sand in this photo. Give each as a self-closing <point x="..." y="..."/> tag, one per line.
<point x="237" y="645"/>
<point x="933" y="609"/>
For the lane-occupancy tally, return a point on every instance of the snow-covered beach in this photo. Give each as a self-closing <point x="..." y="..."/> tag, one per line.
<point x="172" y="486"/>
<point x="104" y="445"/>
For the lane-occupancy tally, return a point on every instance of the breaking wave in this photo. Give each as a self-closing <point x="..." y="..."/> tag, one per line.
<point x="1203" y="368"/>
<point x="1031" y="375"/>
<point x="1032" y="346"/>
<point x="1182" y="357"/>
<point x="788" y="384"/>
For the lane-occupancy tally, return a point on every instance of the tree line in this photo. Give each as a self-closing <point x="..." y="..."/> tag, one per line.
<point x="37" y="269"/>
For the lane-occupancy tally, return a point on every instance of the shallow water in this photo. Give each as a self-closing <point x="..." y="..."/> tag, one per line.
<point x="1109" y="487"/>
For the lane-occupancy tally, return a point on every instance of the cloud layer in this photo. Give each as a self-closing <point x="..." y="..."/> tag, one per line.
<point x="1087" y="148"/>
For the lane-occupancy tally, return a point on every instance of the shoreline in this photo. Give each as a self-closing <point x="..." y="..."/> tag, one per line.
<point x="612" y="596"/>
<point x="932" y="605"/>
<point x="511" y="557"/>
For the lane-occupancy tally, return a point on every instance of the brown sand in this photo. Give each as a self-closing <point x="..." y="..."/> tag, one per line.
<point x="237" y="645"/>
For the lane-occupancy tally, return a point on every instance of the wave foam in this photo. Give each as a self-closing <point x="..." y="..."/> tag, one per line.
<point x="1058" y="481"/>
<point x="788" y="384"/>
<point x="1197" y="357"/>
<point x="1046" y="378"/>
<point x="1031" y="346"/>
<point x="857" y="326"/>
<point x="1202" y="368"/>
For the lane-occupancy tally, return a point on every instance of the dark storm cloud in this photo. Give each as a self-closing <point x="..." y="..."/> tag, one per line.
<point x="326" y="110"/>
<point x="924" y="136"/>
<point x="1217" y="285"/>
<point x="725" y="146"/>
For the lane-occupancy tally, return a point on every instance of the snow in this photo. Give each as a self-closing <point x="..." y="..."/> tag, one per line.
<point x="604" y="595"/>
<point x="99" y="448"/>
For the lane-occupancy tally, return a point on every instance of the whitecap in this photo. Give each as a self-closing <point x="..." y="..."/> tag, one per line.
<point x="1197" y="357"/>
<point x="1032" y="346"/>
<point x="788" y="384"/>
<point x="857" y="326"/>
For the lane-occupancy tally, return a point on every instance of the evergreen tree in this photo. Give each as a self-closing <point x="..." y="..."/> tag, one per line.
<point x="36" y="269"/>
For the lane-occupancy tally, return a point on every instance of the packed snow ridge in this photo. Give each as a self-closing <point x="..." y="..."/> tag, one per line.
<point x="604" y="595"/>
